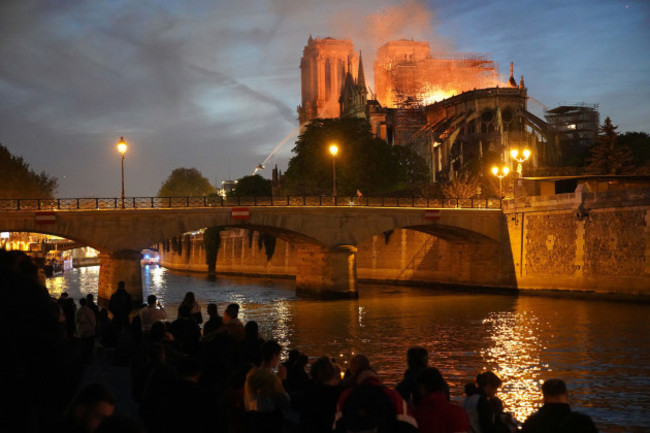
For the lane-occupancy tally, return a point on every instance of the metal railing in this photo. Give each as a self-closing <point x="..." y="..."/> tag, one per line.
<point x="65" y="204"/>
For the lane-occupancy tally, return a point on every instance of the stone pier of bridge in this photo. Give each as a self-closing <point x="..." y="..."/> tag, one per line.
<point x="326" y="272"/>
<point x="119" y="266"/>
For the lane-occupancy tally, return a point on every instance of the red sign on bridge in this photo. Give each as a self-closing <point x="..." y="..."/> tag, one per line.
<point x="432" y="215"/>
<point x="45" y="217"/>
<point x="240" y="213"/>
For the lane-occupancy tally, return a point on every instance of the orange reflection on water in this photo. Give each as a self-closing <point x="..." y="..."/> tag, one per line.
<point x="515" y="355"/>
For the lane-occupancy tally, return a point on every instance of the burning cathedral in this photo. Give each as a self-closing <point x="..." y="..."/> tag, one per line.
<point x="453" y="110"/>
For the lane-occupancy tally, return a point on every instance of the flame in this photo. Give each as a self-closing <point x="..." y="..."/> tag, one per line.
<point x="436" y="95"/>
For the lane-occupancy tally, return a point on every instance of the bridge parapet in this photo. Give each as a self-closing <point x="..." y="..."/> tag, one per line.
<point x="70" y="204"/>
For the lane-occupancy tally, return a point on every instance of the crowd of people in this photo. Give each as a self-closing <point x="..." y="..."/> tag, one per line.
<point x="220" y="375"/>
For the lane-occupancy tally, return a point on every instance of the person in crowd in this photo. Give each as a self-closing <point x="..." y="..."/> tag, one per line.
<point x="264" y="395"/>
<point x="297" y="377"/>
<point x="417" y="359"/>
<point x="214" y="322"/>
<point x="62" y="297"/>
<point x="556" y="415"/>
<point x="189" y="408"/>
<point x="91" y="407"/>
<point x="186" y="331"/>
<point x="232" y="322"/>
<point x="317" y="404"/>
<point x="233" y="398"/>
<point x="470" y="404"/>
<point x="86" y="324"/>
<point x="120" y="306"/>
<point x="368" y="405"/>
<point x="195" y="308"/>
<point x="39" y="368"/>
<point x="90" y="302"/>
<point x="70" y="310"/>
<point x="434" y="413"/>
<point x="357" y="363"/>
<point x="153" y="312"/>
<point x="251" y="345"/>
<point x="484" y="408"/>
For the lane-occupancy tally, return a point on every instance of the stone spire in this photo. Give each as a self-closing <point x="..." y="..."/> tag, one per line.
<point x="512" y="81"/>
<point x="361" y="79"/>
<point x="521" y="82"/>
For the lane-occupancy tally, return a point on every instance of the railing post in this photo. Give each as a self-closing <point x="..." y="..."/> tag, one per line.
<point x="413" y="205"/>
<point x="254" y="200"/>
<point x="18" y="204"/>
<point x="78" y="204"/>
<point x="382" y="201"/>
<point x="304" y="200"/>
<point x="471" y="202"/>
<point x="151" y="202"/>
<point x="320" y="200"/>
<point x="271" y="199"/>
<point x="187" y="202"/>
<point x="169" y="202"/>
<point x="427" y="201"/>
<point x="223" y="202"/>
<point x="288" y="201"/>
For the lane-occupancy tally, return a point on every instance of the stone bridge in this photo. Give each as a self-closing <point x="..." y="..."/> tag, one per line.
<point x="325" y="236"/>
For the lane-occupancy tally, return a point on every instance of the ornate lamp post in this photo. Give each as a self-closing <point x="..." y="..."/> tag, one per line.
<point x="121" y="147"/>
<point x="503" y="173"/>
<point x="334" y="149"/>
<point x="514" y="153"/>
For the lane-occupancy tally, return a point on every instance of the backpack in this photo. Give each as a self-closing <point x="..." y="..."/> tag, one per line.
<point x="368" y="409"/>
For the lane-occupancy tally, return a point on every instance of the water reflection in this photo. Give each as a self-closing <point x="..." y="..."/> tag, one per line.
<point x="601" y="349"/>
<point x="515" y="355"/>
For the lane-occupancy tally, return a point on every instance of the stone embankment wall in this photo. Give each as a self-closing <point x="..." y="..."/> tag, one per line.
<point x="586" y="242"/>
<point x="400" y="256"/>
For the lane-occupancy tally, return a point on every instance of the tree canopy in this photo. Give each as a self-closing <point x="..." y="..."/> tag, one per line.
<point x="17" y="180"/>
<point x="639" y="144"/>
<point x="249" y="186"/>
<point x="186" y="182"/>
<point x="609" y="156"/>
<point x="363" y="162"/>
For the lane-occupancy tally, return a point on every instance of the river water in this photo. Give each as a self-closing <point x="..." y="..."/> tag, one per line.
<point x="601" y="349"/>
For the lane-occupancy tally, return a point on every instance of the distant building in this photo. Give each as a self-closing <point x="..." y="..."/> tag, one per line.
<point x="227" y="186"/>
<point x="573" y="129"/>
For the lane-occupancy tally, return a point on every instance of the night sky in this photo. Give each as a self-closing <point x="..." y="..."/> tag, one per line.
<point x="214" y="84"/>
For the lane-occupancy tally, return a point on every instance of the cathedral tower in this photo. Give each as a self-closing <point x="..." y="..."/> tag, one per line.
<point x="324" y="66"/>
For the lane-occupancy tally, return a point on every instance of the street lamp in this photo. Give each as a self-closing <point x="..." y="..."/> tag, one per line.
<point x="334" y="149"/>
<point x="121" y="147"/>
<point x="504" y="172"/>
<point x="514" y="153"/>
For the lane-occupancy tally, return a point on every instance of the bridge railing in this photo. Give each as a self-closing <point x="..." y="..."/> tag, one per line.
<point x="64" y="204"/>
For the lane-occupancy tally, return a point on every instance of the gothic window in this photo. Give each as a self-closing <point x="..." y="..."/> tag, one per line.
<point x="328" y="79"/>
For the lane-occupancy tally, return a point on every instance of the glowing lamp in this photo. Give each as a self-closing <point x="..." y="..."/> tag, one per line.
<point x="121" y="146"/>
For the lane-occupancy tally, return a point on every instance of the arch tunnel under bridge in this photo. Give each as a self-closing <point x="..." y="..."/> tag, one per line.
<point x="326" y="240"/>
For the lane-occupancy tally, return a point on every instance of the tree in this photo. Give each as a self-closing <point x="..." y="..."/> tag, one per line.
<point x="17" y="180"/>
<point x="639" y="144"/>
<point x="249" y="186"/>
<point x="608" y="156"/>
<point x="461" y="185"/>
<point x="363" y="162"/>
<point x="186" y="182"/>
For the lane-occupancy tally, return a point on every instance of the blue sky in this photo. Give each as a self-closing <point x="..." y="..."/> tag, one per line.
<point x="215" y="84"/>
